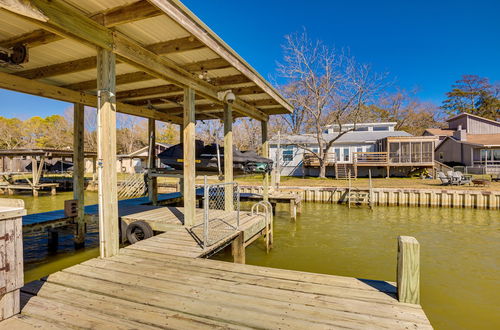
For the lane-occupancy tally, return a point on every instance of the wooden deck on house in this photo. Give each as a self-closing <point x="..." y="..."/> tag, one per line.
<point x="152" y="285"/>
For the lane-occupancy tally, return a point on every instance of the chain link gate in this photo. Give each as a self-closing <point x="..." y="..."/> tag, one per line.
<point x="221" y="213"/>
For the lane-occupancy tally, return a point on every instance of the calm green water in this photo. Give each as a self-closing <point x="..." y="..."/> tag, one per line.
<point x="460" y="252"/>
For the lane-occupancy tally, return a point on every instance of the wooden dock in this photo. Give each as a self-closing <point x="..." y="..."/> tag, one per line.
<point x="152" y="285"/>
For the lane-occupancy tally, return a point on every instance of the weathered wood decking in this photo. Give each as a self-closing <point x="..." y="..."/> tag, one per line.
<point x="149" y="285"/>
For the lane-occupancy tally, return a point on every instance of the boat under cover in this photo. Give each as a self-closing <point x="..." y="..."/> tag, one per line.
<point x="210" y="158"/>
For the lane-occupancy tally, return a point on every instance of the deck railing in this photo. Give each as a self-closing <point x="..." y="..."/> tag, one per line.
<point x="370" y="157"/>
<point x="312" y="160"/>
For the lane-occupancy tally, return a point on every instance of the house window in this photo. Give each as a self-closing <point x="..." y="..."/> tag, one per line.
<point x="381" y="128"/>
<point x="337" y="154"/>
<point x="287" y="153"/>
<point x="346" y="154"/>
<point x="359" y="149"/>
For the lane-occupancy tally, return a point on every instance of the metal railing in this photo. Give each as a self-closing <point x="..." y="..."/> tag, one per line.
<point x="221" y="213"/>
<point x="265" y="209"/>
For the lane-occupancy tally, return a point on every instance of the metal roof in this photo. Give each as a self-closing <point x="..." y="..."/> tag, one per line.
<point x="349" y="137"/>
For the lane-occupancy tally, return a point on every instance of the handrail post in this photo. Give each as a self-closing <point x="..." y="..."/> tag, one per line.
<point x="408" y="270"/>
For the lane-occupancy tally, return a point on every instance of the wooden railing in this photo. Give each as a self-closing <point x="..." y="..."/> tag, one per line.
<point x="312" y="160"/>
<point x="370" y="157"/>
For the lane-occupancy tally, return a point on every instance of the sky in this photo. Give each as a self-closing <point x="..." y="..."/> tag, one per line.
<point x="423" y="45"/>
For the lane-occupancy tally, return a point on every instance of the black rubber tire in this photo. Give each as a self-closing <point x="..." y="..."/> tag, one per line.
<point x="123" y="232"/>
<point x="138" y="231"/>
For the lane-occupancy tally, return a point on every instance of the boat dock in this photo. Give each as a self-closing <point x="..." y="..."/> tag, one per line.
<point x="160" y="282"/>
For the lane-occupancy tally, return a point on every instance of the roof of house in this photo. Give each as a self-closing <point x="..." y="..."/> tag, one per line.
<point x="478" y="140"/>
<point x="439" y="131"/>
<point x="473" y="116"/>
<point x="484" y="139"/>
<point x="349" y="137"/>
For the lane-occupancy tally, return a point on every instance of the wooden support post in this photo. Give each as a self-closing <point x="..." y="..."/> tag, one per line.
<point x="181" y="141"/>
<point x="11" y="256"/>
<point x="106" y="151"/>
<point x="293" y="210"/>
<point x="265" y="153"/>
<point x="238" y="249"/>
<point x="79" y="173"/>
<point x="408" y="271"/>
<point x="228" y="156"/>
<point x="94" y="169"/>
<point x="189" y="193"/>
<point x="152" y="181"/>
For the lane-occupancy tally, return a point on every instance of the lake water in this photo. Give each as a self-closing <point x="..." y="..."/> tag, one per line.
<point x="460" y="252"/>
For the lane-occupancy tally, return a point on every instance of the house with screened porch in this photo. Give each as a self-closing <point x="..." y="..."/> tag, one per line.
<point x="366" y="147"/>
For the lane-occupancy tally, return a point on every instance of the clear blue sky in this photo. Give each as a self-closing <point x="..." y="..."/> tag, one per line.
<point x="422" y="44"/>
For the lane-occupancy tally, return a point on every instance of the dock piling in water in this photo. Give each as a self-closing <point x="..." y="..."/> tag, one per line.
<point x="408" y="270"/>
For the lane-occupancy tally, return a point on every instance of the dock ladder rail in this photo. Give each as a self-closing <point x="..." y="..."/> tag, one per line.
<point x="265" y="208"/>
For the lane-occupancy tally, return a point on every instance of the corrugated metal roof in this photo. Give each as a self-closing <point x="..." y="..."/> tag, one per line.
<point x="349" y="137"/>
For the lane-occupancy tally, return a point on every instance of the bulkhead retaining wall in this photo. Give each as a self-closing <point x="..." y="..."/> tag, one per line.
<point x="398" y="196"/>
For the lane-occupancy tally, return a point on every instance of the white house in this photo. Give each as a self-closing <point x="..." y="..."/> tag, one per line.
<point x="375" y="146"/>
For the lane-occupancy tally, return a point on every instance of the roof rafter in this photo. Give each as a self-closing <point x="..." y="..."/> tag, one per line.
<point x="116" y="16"/>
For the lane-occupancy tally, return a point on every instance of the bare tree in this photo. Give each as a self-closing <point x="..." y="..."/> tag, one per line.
<point x="325" y="87"/>
<point x="210" y="131"/>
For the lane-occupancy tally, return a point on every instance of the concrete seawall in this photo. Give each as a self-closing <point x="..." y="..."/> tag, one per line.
<point x="399" y="196"/>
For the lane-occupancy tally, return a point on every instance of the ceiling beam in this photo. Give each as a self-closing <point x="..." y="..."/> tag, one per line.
<point x="33" y="87"/>
<point x="121" y="79"/>
<point x="116" y="16"/>
<point x="68" y="22"/>
<point x="88" y="63"/>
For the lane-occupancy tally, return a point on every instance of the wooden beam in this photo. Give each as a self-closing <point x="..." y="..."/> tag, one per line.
<point x="238" y="249"/>
<point x="230" y="80"/>
<point x="189" y="129"/>
<point x="32" y="39"/>
<point x="79" y="173"/>
<point x="265" y="153"/>
<point x="408" y="270"/>
<point x="175" y="45"/>
<point x="90" y="63"/>
<point x="23" y="85"/>
<point x="68" y="22"/>
<point x="60" y="68"/>
<point x="109" y="18"/>
<point x="125" y="78"/>
<point x="172" y="90"/>
<point x="106" y="149"/>
<point x="152" y="181"/>
<point x="126" y="14"/>
<point x="228" y="156"/>
<point x="213" y="64"/>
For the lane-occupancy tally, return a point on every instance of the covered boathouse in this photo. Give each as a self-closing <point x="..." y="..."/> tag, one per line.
<point x="155" y="59"/>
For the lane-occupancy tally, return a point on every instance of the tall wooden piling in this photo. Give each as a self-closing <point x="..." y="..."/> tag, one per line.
<point x="228" y="156"/>
<point x="79" y="173"/>
<point x="152" y="181"/>
<point x="265" y="153"/>
<point x="189" y="192"/>
<point x="106" y="153"/>
<point x="408" y="270"/>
